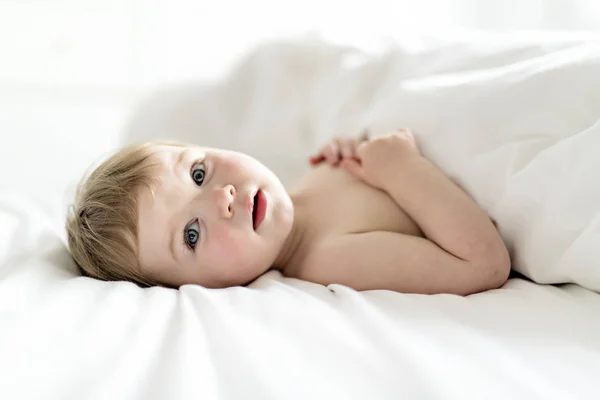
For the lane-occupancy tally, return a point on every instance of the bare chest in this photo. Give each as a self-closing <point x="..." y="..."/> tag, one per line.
<point x="332" y="202"/>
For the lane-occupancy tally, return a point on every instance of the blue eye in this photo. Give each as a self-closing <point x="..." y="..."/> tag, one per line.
<point x="191" y="234"/>
<point x="197" y="173"/>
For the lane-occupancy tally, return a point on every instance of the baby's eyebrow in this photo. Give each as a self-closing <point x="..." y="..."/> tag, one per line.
<point x="180" y="159"/>
<point x="176" y="166"/>
<point x="172" y="244"/>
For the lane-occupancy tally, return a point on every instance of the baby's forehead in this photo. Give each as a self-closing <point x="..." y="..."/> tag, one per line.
<point x="166" y="158"/>
<point x="162" y="160"/>
<point x="169" y="153"/>
<point x="164" y="150"/>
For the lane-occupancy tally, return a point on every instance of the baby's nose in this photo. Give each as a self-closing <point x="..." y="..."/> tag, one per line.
<point x="225" y="198"/>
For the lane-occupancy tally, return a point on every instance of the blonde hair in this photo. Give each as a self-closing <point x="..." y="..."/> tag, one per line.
<point x="102" y="223"/>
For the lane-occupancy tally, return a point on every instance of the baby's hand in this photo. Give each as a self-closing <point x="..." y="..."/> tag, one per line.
<point x="338" y="149"/>
<point x="379" y="159"/>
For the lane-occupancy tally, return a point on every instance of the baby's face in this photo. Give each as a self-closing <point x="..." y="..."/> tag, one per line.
<point x="218" y="218"/>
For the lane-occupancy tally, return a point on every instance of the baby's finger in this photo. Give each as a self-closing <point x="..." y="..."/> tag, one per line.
<point x="316" y="159"/>
<point x="353" y="167"/>
<point x="347" y="149"/>
<point x="332" y="153"/>
<point x="360" y="148"/>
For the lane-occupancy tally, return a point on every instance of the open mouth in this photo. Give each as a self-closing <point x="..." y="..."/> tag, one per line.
<point x="258" y="209"/>
<point x="254" y="202"/>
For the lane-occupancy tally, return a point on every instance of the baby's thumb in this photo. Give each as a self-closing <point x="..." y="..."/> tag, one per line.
<point x="353" y="167"/>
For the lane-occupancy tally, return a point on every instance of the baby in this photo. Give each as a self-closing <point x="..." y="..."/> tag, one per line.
<point x="370" y="214"/>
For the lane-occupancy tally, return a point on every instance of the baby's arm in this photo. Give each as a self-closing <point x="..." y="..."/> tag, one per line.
<point x="445" y="213"/>
<point x="463" y="253"/>
<point x="394" y="261"/>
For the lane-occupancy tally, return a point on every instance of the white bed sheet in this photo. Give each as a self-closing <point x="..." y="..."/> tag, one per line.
<point x="69" y="337"/>
<point x="63" y="336"/>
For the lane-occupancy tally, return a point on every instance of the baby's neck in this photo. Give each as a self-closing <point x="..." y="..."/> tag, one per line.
<point x="292" y="248"/>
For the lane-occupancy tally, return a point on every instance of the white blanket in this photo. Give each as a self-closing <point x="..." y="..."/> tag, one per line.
<point x="517" y="124"/>
<point x="475" y="106"/>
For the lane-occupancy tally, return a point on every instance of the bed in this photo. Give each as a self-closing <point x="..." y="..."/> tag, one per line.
<point x="514" y="120"/>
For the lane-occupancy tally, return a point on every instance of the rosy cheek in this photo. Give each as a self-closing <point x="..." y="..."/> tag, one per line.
<point x="226" y="246"/>
<point x="236" y="167"/>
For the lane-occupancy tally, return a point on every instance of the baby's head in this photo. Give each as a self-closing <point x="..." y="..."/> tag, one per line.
<point x="171" y="214"/>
